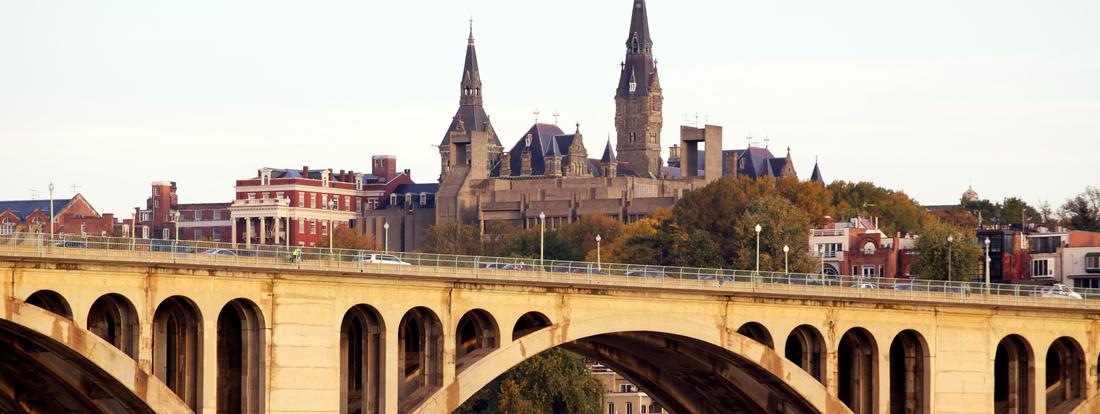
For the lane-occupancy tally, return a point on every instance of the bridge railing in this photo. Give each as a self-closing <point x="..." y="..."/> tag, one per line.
<point x="460" y="267"/>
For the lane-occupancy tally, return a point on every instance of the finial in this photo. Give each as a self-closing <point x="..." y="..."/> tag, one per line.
<point x="556" y="116"/>
<point x="788" y="152"/>
<point x="536" y="115"/>
<point x="578" y="127"/>
<point x="471" y="40"/>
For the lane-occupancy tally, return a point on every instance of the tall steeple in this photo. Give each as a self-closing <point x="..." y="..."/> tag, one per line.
<point x="471" y="77"/>
<point x="638" y="100"/>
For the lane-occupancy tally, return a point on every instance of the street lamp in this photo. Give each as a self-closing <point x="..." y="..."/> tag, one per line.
<point x="542" y="237"/>
<point x="332" y="205"/>
<point x="758" y="228"/>
<point x="598" y="238"/>
<point x="133" y="228"/>
<point x="176" y="222"/>
<point x="51" y="209"/>
<point x="386" y="237"/>
<point x="950" y="242"/>
<point x="786" y="264"/>
<point x="987" y="263"/>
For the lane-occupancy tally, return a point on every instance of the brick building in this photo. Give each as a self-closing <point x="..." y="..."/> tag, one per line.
<point x="74" y="216"/>
<point x="308" y="201"/>
<point x="196" y="221"/>
<point x="858" y="248"/>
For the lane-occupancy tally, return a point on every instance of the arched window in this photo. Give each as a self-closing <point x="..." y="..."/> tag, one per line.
<point x="869" y="248"/>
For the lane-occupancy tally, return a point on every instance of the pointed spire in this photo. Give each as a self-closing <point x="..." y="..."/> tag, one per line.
<point x="816" y="175"/>
<point x="471" y="76"/>
<point x="638" y="41"/>
<point x="552" y="150"/>
<point x="608" y="152"/>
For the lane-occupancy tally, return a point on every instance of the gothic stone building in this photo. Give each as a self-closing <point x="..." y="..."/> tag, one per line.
<point x="550" y="171"/>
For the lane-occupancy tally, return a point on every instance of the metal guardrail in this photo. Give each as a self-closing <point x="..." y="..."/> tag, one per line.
<point x="158" y="251"/>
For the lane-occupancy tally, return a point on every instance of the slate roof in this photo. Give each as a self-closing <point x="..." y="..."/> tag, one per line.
<point x="471" y="115"/>
<point x="413" y="190"/>
<point x="542" y="136"/>
<point x="23" y="208"/>
<point x="816" y="175"/>
<point x="638" y="67"/>
<point x="608" y="153"/>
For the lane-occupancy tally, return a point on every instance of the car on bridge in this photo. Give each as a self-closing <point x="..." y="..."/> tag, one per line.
<point x="647" y="273"/>
<point x="220" y="252"/>
<point x="375" y="258"/>
<point x="71" y="244"/>
<point x="1059" y="291"/>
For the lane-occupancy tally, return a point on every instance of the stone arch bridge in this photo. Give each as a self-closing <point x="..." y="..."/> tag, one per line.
<point x="112" y="331"/>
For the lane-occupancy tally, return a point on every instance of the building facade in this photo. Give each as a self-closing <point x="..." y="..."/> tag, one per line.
<point x="620" y="396"/>
<point x="858" y="248"/>
<point x="72" y="217"/>
<point x="165" y="218"/>
<point x="295" y="207"/>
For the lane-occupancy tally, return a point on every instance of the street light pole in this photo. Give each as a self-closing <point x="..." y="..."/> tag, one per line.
<point x="950" y="243"/>
<point x="758" y="228"/>
<point x="598" y="238"/>
<point x="332" y="204"/>
<point x="786" y="263"/>
<point x="988" y="262"/>
<point x="542" y="237"/>
<point x="176" y="222"/>
<point x="386" y="237"/>
<point x="51" y="210"/>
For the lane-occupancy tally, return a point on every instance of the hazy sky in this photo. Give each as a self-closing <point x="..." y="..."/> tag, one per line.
<point x="923" y="96"/>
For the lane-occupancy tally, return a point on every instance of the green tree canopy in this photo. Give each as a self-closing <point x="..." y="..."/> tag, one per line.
<point x="555" y="381"/>
<point x="452" y="238"/>
<point x="526" y="244"/>
<point x="1083" y="211"/>
<point x="932" y="252"/>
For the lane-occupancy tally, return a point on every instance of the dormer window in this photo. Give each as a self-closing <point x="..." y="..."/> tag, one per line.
<point x="265" y="176"/>
<point x="393" y="199"/>
<point x="324" y="178"/>
<point x="359" y="182"/>
<point x="423" y="199"/>
<point x="633" y="87"/>
<point x="527" y="142"/>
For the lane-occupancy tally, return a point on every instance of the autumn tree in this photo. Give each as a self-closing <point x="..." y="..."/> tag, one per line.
<point x="554" y="381"/>
<point x="344" y="237"/>
<point x="527" y="244"/>
<point x="581" y="234"/>
<point x="633" y="244"/>
<point x="1083" y="211"/>
<point x="932" y="252"/>
<point x="452" y="238"/>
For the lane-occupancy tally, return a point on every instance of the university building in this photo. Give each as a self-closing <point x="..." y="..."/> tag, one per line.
<point x="549" y="171"/>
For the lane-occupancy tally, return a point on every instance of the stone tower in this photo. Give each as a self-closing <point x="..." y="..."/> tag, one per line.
<point x="638" y="100"/>
<point x="470" y="141"/>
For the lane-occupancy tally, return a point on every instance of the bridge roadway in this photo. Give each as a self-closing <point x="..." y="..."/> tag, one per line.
<point x="131" y="330"/>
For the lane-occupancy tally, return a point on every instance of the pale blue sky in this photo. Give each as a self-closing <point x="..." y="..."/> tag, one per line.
<point x="917" y="96"/>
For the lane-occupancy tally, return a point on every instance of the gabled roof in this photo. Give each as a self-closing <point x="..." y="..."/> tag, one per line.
<point x="473" y="117"/>
<point x="23" y="208"/>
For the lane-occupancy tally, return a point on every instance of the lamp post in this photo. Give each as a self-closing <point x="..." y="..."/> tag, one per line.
<point x="542" y="237"/>
<point x="950" y="242"/>
<point x="598" y="238"/>
<point x="758" y="228"/>
<point x="176" y="222"/>
<point x="386" y="237"/>
<point x="987" y="263"/>
<point x="332" y="204"/>
<point x="51" y="210"/>
<point x="133" y="228"/>
<point x="786" y="264"/>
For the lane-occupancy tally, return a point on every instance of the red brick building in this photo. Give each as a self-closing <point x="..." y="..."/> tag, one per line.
<point x="308" y="201"/>
<point x="859" y="248"/>
<point x="197" y="221"/>
<point x="73" y="216"/>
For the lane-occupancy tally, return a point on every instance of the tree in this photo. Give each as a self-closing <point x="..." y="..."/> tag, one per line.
<point x="781" y="224"/>
<point x="344" y="237"/>
<point x="581" y="234"/>
<point x="452" y="238"/>
<point x="932" y="247"/>
<point x="554" y="381"/>
<point x="1083" y="211"/>
<point x="635" y="243"/>
<point x="1014" y="210"/>
<point x="527" y="244"/>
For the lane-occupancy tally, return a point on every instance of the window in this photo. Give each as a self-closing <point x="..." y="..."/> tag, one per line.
<point x="423" y="199"/>
<point x="828" y="250"/>
<point x="301" y="199"/>
<point x="1092" y="263"/>
<point x="869" y="248"/>
<point x="324" y="201"/>
<point x="280" y="195"/>
<point x="393" y="199"/>
<point x="324" y="228"/>
<point x="643" y="407"/>
<point x="301" y="227"/>
<point x="7" y="227"/>
<point x="198" y="235"/>
<point x="217" y="233"/>
<point x="312" y="199"/>
<point x="156" y="203"/>
<point x="198" y="215"/>
<point x="868" y="270"/>
<point x="347" y="203"/>
<point x="217" y="214"/>
<point x="610" y="408"/>
<point x="1041" y="268"/>
<point x="629" y="408"/>
<point x="313" y="227"/>
<point x="83" y="229"/>
<point x="358" y="204"/>
<point x="156" y="191"/>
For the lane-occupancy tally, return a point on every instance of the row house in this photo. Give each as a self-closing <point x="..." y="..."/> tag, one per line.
<point x="300" y="207"/>
<point x="1036" y="255"/>
<point x="71" y="217"/>
<point x="858" y="248"/>
<point x="164" y="216"/>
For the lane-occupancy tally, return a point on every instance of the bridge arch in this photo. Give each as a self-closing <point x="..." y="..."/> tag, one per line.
<point x="420" y="356"/>
<point x="362" y="360"/>
<point x="476" y="334"/>
<point x="69" y="369"/>
<point x="529" y="322"/>
<point x="910" y="373"/>
<point x="240" y="360"/>
<point x="114" y="318"/>
<point x="1065" y="375"/>
<point x="757" y="332"/>
<point x="177" y="348"/>
<point x="1013" y="376"/>
<point x="658" y="353"/>
<point x="806" y="348"/>
<point x="857" y="371"/>
<point x="51" y="301"/>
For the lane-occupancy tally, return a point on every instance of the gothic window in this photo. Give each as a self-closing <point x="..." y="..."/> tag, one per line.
<point x="633" y="87"/>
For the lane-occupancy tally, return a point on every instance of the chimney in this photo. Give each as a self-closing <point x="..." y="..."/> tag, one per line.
<point x="305" y="171"/>
<point x="343" y="176"/>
